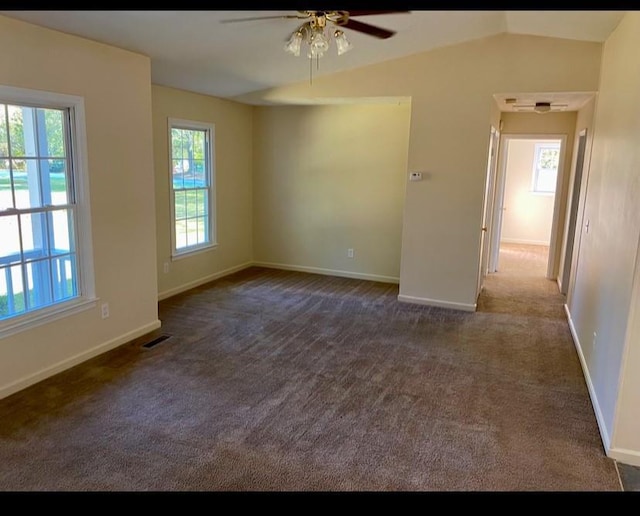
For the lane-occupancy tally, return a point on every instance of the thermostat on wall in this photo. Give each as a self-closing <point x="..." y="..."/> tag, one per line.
<point x="415" y="176"/>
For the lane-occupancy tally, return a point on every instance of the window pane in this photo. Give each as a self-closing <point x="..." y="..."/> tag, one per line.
<point x="181" y="234"/>
<point x="34" y="235"/>
<point x="180" y="206"/>
<point x="4" y="143"/>
<point x="546" y="180"/>
<point x="192" y="203"/>
<point x="177" y="176"/>
<point x="57" y="177"/>
<point x="198" y="145"/>
<point x="548" y="158"/>
<point x="61" y="232"/>
<point x="11" y="291"/>
<point x="203" y="202"/>
<point x="22" y="131"/>
<point x="176" y="144"/>
<point x="10" y="241"/>
<point x="26" y="183"/>
<point x="192" y="232"/>
<point x="51" y="133"/>
<point x="64" y="278"/>
<point x="203" y="230"/>
<point x="6" y="197"/>
<point x="200" y="173"/>
<point x="38" y="284"/>
<point x="187" y="144"/>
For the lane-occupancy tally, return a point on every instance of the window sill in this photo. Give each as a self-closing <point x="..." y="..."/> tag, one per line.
<point x="31" y="320"/>
<point x="191" y="252"/>
<point x="543" y="194"/>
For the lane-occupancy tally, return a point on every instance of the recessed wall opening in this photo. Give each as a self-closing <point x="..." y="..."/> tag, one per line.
<point x="525" y="204"/>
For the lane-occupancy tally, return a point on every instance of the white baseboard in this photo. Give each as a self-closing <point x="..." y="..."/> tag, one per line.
<point x="328" y="272"/>
<point x="523" y="241"/>
<point x="31" y="379"/>
<point x="438" y="303"/>
<point x="630" y="457"/>
<point x="604" y="435"/>
<point x="201" y="281"/>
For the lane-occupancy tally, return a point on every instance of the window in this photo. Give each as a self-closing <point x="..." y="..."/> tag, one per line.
<point x="545" y="167"/>
<point x="192" y="195"/>
<point x="44" y="249"/>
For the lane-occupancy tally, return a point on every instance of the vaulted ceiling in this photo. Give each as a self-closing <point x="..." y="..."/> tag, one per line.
<point x="195" y="51"/>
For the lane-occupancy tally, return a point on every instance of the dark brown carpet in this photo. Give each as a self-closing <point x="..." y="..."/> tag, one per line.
<point x="277" y="380"/>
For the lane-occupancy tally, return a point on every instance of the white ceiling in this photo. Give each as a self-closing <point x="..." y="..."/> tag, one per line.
<point x="193" y="50"/>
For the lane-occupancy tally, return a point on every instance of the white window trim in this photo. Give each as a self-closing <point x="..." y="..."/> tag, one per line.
<point x="86" y="280"/>
<point x="213" y="235"/>
<point x="538" y="147"/>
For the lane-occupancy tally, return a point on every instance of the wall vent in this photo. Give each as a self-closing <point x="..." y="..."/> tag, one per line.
<point x="156" y="341"/>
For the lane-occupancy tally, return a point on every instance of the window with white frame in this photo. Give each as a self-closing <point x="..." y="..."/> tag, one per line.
<point x="192" y="186"/>
<point x="45" y="254"/>
<point x="545" y="167"/>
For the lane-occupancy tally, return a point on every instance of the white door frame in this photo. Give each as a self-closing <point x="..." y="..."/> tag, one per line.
<point x="573" y="200"/>
<point x="487" y="206"/>
<point x="556" y="233"/>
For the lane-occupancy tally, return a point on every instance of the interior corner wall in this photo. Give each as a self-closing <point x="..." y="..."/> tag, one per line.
<point x="451" y="90"/>
<point x="115" y="85"/>
<point x="602" y="293"/>
<point x="233" y="156"/>
<point x="328" y="179"/>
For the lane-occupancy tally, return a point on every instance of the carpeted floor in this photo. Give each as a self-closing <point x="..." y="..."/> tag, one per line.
<point x="277" y="380"/>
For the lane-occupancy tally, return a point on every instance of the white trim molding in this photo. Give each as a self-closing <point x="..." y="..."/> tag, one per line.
<point x="523" y="241"/>
<point x="201" y="281"/>
<point x="466" y="307"/>
<point x="329" y="272"/>
<point x="67" y="363"/>
<point x="630" y="457"/>
<point x="604" y="435"/>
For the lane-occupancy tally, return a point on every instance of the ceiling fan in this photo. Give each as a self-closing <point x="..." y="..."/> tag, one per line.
<point x="540" y="107"/>
<point x="319" y="19"/>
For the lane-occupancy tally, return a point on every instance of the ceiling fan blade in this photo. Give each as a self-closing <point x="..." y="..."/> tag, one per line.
<point x="371" y="30"/>
<point x="234" y="20"/>
<point x="369" y="13"/>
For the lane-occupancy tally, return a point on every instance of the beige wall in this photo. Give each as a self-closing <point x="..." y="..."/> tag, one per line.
<point x="329" y="178"/>
<point x="116" y="88"/>
<point x="233" y="187"/>
<point x="527" y="215"/>
<point x="556" y="124"/>
<point x="602" y="292"/>
<point x="452" y="101"/>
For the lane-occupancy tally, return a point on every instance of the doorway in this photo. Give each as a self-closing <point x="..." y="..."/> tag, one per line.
<point x="524" y="232"/>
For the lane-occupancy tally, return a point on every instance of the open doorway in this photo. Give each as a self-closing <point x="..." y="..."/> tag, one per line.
<point x="523" y="236"/>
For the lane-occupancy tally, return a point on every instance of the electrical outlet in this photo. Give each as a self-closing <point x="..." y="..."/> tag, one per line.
<point x="105" y="310"/>
<point x="166" y="267"/>
<point x="349" y="253"/>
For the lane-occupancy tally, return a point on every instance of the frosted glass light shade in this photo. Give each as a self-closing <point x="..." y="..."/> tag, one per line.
<point x="342" y="44"/>
<point x="318" y="44"/>
<point x="294" y="43"/>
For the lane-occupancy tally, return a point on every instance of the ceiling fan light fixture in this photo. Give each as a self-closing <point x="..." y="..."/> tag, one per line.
<point x="294" y="43"/>
<point x="342" y="43"/>
<point x="318" y="43"/>
<point x="542" y="107"/>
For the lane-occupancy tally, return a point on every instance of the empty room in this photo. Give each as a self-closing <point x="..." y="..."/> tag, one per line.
<point x="319" y="251"/>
